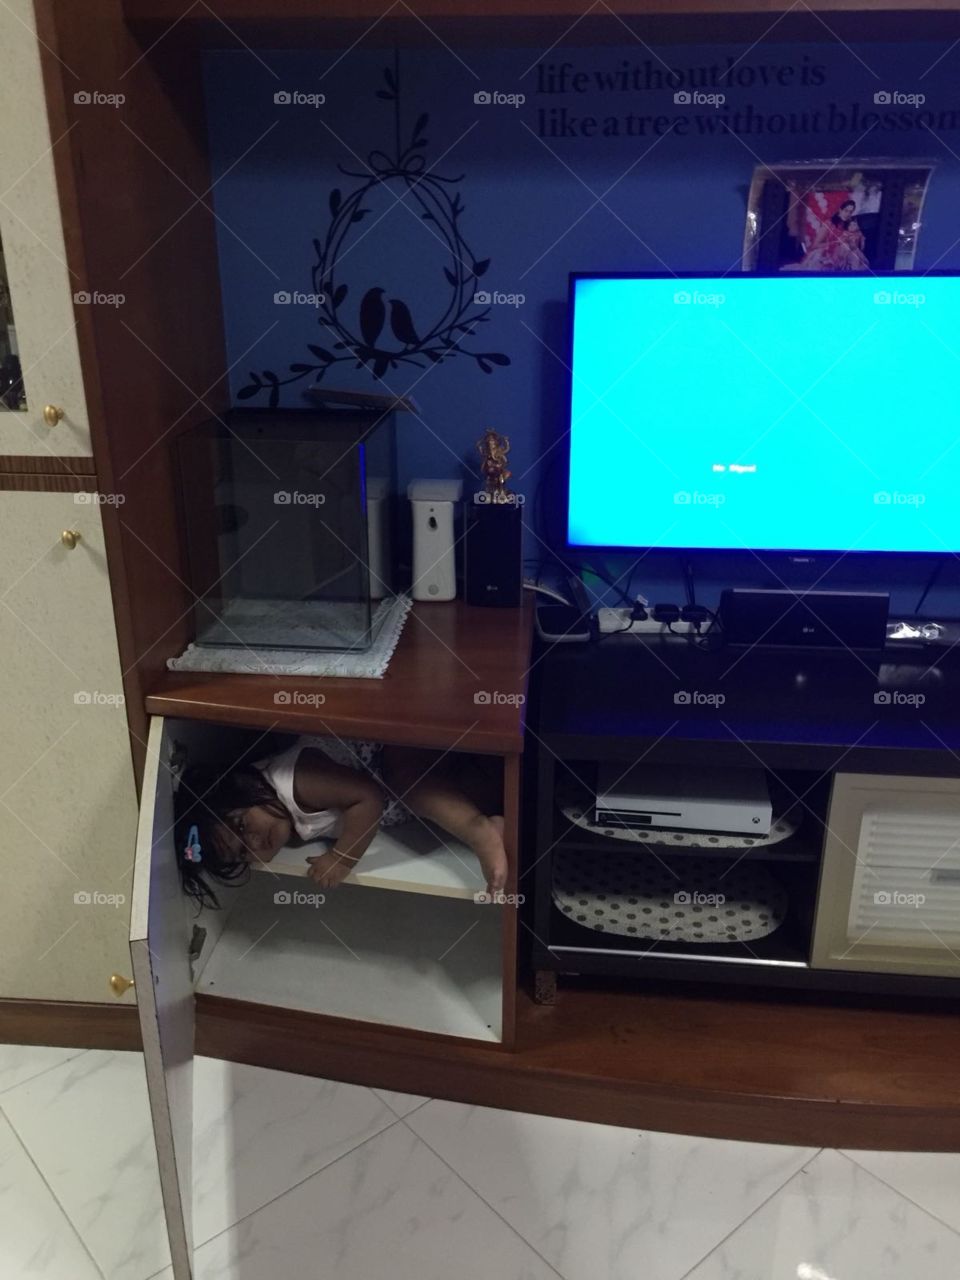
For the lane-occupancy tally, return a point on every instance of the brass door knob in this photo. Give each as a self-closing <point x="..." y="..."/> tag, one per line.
<point x="119" y="985"/>
<point x="51" y="414"/>
<point x="70" y="538"/>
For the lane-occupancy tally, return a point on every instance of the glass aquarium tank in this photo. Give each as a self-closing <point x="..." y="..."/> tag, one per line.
<point x="287" y="517"/>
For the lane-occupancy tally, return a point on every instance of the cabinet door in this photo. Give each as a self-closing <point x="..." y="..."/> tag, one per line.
<point x="889" y="898"/>
<point x="68" y="809"/>
<point x="31" y="236"/>
<point x="163" y="923"/>
<point x="159" y="949"/>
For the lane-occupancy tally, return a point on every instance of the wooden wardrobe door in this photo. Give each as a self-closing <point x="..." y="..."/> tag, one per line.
<point x="68" y="810"/>
<point x="31" y="232"/>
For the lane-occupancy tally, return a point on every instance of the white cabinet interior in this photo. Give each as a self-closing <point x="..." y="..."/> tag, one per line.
<point x="405" y="946"/>
<point x="410" y="857"/>
<point x="402" y="943"/>
<point x="398" y="959"/>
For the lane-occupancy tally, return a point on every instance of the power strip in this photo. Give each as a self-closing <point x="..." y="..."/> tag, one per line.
<point x="610" y="620"/>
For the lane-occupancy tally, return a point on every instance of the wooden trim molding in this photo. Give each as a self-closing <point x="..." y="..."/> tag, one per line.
<point x="46" y="464"/>
<point x="44" y="482"/>
<point x="69" y="1024"/>
<point x="264" y="16"/>
<point x="45" y="473"/>
<point x="542" y="24"/>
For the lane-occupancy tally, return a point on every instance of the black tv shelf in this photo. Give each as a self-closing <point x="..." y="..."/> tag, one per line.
<point x="802" y="716"/>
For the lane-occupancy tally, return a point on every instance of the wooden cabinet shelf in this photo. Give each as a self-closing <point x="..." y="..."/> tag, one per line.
<point x="411" y="858"/>
<point x="457" y="680"/>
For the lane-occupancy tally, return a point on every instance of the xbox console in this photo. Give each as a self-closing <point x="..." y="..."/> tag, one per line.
<point x="722" y="801"/>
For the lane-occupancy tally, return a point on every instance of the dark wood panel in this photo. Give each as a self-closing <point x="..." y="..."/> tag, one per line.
<point x="782" y="708"/>
<point x="69" y="1024"/>
<point x="297" y="23"/>
<point x="859" y="1076"/>
<point x="369" y="10"/>
<point x="511" y="836"/>
<point x="46" y="464"/>
<point x="448" y="654"/>
<point x="133" y="183"/>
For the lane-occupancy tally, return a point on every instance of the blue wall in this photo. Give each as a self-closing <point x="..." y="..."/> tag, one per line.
<point x="543" y="192"/>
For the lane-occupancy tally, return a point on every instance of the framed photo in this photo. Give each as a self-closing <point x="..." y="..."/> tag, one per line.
<point x="835" y="215"/>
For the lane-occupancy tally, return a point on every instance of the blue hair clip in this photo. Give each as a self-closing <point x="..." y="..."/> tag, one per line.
<point x="192" y="851"/>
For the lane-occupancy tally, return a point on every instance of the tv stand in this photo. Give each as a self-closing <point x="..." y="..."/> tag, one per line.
<point x="866" y="756"/>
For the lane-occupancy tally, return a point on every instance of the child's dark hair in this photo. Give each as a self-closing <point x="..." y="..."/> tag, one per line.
<point x="211" y="797"/>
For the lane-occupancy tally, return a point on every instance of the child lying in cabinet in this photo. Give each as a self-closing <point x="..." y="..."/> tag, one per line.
<point x="322" y="788"/>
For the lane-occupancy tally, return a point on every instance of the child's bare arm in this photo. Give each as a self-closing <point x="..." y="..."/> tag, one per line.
<point x="427" y="785"/>
<point x="320" y="784"/>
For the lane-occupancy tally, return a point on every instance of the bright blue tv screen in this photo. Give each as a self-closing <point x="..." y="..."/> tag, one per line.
<point x="791" y="413"/>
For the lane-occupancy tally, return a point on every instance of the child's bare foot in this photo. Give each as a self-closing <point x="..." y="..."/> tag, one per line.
<point x="485" y="838"/>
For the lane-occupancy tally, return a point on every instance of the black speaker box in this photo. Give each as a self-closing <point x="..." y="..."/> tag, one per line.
<point x="493" y="570"/>
<point x="805" y="619"/>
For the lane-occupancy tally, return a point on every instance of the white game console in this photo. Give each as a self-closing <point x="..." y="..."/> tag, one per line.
<point x="684" y="798"/>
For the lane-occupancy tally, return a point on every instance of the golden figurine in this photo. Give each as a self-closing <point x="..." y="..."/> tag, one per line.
<point x="493" y="449"/>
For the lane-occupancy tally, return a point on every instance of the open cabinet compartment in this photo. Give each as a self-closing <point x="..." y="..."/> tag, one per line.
<point x="401" y="944"/>
<point x="370" y="955"/>
<point x="788" y="866"/>
<point x="403" y="949"/>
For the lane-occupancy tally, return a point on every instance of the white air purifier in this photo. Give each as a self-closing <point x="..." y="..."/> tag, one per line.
<point x="433" y="504"/>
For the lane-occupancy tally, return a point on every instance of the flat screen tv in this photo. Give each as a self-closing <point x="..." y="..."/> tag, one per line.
<point x="798" y="413"/>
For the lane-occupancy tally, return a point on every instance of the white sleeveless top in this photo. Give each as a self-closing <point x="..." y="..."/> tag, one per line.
<point x="362" y="756"/>
<point x="279" y="771"/>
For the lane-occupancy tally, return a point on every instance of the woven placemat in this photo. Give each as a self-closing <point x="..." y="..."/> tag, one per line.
<point x="366" y="664"/>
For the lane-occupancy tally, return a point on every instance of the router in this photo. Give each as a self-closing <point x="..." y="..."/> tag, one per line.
<point x="724" y="801"/>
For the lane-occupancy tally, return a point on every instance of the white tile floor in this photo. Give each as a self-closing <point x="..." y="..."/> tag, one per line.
<point x="299" y="1178"/>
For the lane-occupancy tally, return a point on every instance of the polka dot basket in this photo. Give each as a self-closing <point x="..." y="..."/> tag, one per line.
<point x="688" y="899"/>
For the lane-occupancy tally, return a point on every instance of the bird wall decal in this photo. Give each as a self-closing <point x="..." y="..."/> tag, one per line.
<point x="372" y="315"/>
<point x="401" y="322"/>
<point x="458" y="316"/>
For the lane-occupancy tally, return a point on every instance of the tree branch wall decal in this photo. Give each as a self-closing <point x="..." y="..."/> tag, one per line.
<point x="384" y="334"/>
